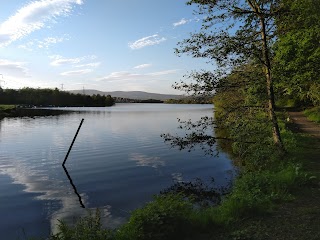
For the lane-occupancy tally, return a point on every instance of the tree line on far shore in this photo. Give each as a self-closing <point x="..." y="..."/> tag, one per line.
<point x="52" y="97"/>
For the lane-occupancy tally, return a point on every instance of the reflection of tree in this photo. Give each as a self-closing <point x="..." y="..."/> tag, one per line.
<point x="73" y="186"/>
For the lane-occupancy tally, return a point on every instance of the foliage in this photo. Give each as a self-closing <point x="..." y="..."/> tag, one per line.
<point x="236" y="36"/>
<point x="297" y="51"/>
<point x="191" y="100"/>
<point x="88" y="227"/>
<point x="167" y="217"/>
<point x="313" y="114"/>
<point x="52" y="97"/>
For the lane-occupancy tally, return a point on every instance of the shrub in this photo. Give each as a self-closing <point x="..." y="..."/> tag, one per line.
<point x="167" y="217"/>
<point x="88" y="227"/>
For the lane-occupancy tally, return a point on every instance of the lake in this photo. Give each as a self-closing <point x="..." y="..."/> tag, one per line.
<point x="118" y="162"/>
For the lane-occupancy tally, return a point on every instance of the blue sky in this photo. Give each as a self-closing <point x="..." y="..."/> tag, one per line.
<point x="108" y="45"/>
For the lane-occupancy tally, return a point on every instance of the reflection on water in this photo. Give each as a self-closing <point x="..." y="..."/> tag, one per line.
<point x="114" y="164"/>
<point x="74" y="187"/>
<point x="145" y="161"/>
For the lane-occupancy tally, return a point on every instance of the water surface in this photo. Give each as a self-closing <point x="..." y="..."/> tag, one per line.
<point x="117" y="163"/>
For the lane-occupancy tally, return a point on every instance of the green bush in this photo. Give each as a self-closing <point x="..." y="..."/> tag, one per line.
<point x="167" y="217"/>
<point x="85" y="228"/>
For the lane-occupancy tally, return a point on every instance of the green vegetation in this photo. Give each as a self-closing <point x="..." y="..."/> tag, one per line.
<point x="5" y="110"/>
<point x="313" y="114"/>
<point x="6" y="107"/>
<point x="52" y="97"/>
<point x="272" y="57"/>
<point x="88" y="227"/>
<point x="190" y="100"/>
<point x="297" y="52"/>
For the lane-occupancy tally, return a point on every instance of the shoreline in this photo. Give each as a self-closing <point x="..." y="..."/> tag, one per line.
<point x="31" y="112"/>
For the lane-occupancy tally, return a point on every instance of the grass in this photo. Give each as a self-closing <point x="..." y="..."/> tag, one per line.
<point x="313" y="114"/>
<point x="5" y="110"/>
<point x="6" y="107"/>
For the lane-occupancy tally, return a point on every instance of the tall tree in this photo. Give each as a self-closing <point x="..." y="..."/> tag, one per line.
<point x="234" y="33"/>
<point x="297" y="51"/>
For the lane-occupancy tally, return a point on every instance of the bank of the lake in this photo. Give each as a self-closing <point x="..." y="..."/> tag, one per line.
<point x="14" y="111"/>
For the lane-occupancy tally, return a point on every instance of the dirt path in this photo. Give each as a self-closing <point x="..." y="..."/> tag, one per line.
<point x="304" y="125"/>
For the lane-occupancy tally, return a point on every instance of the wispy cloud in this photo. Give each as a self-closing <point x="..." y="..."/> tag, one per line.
<point x="61" y="61"/>
<point x="79" y="62"/>
<point x="166" y="72"/>
<point x="146" y="65"/>
<point x="94" y="64"/>
<point x="76" y="72"/>
<point x="12" y="68"/>
<point x="45" y="43"/>
<point x="28" y="46"/>
<point x="147" y="41"/>
<point x="34" y="16"/>
<point x="65" y="61"/>
<point x="124" y="75"/>
<point x="119" y="76"/>
<point x="181" y="22"/>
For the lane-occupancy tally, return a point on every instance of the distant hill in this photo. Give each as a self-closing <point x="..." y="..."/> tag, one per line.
<point x="131" y="94"/>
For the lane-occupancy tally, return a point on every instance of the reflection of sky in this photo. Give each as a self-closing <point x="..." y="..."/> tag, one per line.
<point x="145" y="161"/>
<point x="102" y="162"/>
<point x="177" y="177"/>
<point x="55" y="190"/>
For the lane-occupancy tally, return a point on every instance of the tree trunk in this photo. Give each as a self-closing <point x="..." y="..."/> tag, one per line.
<point x="267" y="70"/>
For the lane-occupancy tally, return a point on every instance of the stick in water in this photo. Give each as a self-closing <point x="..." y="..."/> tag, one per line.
<point x="75" y="136"/>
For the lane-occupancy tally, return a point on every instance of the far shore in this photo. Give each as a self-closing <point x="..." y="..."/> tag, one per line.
<point x="15" y="111"/>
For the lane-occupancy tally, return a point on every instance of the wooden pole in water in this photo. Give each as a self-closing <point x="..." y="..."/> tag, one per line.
<point x="74" y="139"/>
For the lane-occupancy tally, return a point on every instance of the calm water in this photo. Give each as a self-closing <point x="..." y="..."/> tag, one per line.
<point x="117" y="163"/>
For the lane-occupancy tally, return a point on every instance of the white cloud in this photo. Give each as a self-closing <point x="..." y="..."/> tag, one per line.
<point x="181" y="22"/>
<point x="60" y="61"/>
<point x="76" y="72"/>
<point x="32" y="17"/>
<point x="121" y="76"/>
<point x="28" y="46"/>
<point x="147" y="41"/>
<point x="94" y="64"/>
<point x="11" y="68"/>
<point x="146" y="65"/>
<point x="166" y="72"/>
<point x="47" y="42"/>
<point x="65" y="61"/>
